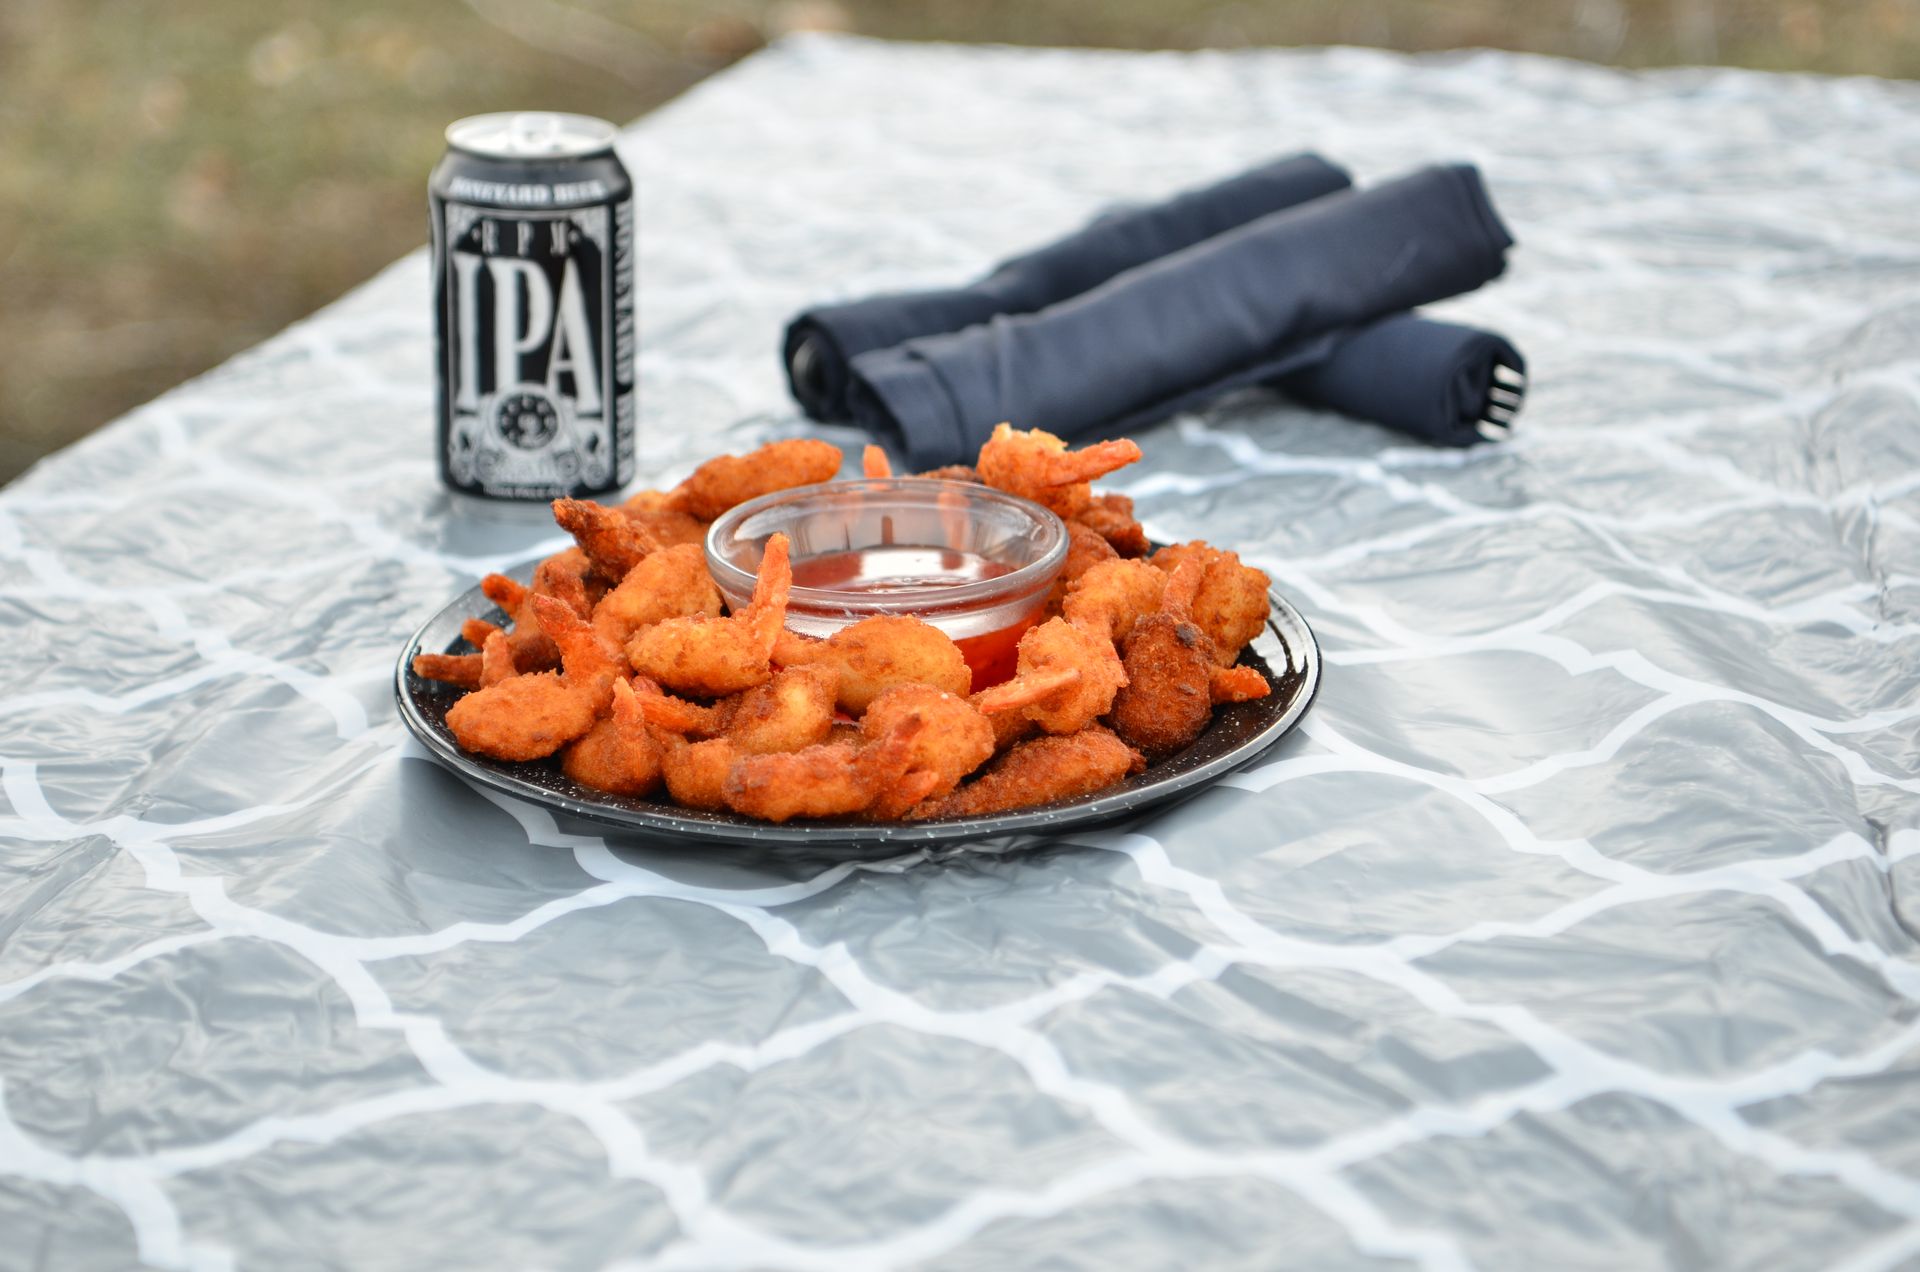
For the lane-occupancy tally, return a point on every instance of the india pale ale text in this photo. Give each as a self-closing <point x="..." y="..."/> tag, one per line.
<point x="532" y="222"/>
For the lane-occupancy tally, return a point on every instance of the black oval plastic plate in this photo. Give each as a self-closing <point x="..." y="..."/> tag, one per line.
<point x="1286" y="653"/>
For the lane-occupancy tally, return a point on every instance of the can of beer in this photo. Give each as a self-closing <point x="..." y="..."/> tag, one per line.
<point x="532" y="225"/>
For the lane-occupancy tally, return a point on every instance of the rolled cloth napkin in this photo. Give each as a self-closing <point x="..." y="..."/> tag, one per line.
<point x="1262" y="302"/>
<point x="822" y="341"/>
<point x="1439" y="381"/>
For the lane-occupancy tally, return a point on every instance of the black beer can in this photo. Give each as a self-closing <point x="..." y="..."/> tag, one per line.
<point x="532" y="224"/>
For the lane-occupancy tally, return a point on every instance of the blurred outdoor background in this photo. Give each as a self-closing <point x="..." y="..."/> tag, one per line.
<point x="177" y="183"/>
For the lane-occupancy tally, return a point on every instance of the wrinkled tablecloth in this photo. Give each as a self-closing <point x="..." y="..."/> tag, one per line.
<point x="1575" y="928"/>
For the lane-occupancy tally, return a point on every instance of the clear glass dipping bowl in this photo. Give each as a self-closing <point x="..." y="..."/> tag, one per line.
<point x="983" y="616"/>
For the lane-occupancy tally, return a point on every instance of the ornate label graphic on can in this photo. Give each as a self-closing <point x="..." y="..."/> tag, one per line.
<point x="538" y="379"/>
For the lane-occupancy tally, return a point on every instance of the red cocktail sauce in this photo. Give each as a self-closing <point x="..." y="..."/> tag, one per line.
<point x="895" y="568"/>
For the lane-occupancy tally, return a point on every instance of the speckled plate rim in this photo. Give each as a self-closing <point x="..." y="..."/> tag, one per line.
<point x="1286" y="653"/>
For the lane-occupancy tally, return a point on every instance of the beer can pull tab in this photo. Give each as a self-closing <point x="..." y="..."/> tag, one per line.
<point x="536" y="132"/>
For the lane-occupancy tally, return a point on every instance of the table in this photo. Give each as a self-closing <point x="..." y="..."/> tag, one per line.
<point x="1575" y="929"/>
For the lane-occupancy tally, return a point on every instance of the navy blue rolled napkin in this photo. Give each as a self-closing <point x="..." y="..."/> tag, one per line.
<point x="1438" y="381"/>
<point x="820" y="342"/>
<point x="1264" y="301"/>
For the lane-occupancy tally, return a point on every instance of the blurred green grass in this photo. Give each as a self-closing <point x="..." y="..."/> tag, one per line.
<point x="176" y="185"/>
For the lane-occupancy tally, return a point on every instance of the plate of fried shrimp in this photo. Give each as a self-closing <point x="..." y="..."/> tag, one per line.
<point x="611" y="681"/>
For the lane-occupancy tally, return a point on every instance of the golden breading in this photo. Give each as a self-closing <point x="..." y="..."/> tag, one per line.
<point x="654" y="513"/>
<point x="719" y="484"/>
<point x="875" y="654"/>
<point x="1231" y="606"/>
<point x="1037" y="465"/>
<point x="1052" y="649"/>
<point x="956" y="741"/>
<point x="618" y="754"/>
<point x="1111" y="516"/>
<point x="713" y="657"/>
<point x="1039" y="772"/>
<point x="671" y="583"/>
<point x="1112" y="595"/>
<point x="612" y="541"/>
<point x="695" y="772"/>
<point x="829" y="780"/>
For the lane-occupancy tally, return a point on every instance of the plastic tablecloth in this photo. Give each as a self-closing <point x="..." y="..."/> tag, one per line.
<point x="1575" y="928"/>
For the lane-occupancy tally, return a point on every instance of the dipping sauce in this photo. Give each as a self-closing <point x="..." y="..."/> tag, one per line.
<point x="887" y="568"/>
<point x="895" y="568"/>
<point x="974" y="562"/>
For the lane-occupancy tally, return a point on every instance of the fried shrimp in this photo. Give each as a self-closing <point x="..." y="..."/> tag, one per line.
<point x="696" y="772"/>
<point x="563" y="576"/>
<point x="527" y="717"/>
<point x="828" y="780"/>
<point x="451" y="669"/>
<point x="792" y="711"/>
<point x="670" y="583"/>
<point x="618" y="754"/>
<point x="875" y="654"/>
<point x="1038" y="772"/>
<point x="1053" y="700"/>
<point x="496" y="659"/>
<point x="533" y="649"/>
<point x="1231" y="605"/>
<point x="953" y="472"/>
<point x="1112" y="595"/>
<point x="1037" y="465"/>
<point x="1237" y="684"/>
<point x="874" y="463"/>
<point x="653" y="513"/>
<point x="712" y="657"/>
<point x="1085" y="549"/>
<point x="957" y="740"/>
<point x="1111" y="517"/>
<point x="612" y="541"/>
<point x="1169" y="662"/>
<point x="719" y="484"/>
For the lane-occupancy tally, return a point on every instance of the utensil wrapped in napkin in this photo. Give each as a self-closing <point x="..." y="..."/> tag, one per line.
<point x="1266" y="301"/>
<point x="823" y="340"/>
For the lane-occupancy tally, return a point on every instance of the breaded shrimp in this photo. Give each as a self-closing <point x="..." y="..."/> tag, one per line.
<point x="462" y="670"/>
<point x="829" y="780"/>
<point x="713" y="657"/>
<point x="874" y="463"/>
<point x="564" y="577"/>
<point x="1085" y="549"/>
<point x="670" y="583"/>
<point x="526" y="717"/>
<point x="1237" y="684"/>
<point x="612" y="541"/>
<point x="1111" y="516"/>
<point x="652" y="512"/>
<point x="1047" y="652"/>
<point x="1173" y="675"/>
<point x="1038" y="772"/>
<point x="791" y="712"/>
<point x="1112" y="595"/>
<point x="1036" y="465"/>
<point x="533" y="649"/>
<point x="695" y="772"/>
<point x="875" y="654"/>
<point x="1231" y="606"/>
<point x="496" y="660"/>
<point x="618" y="754"/>
<point x="956" y="741"/>
<point x="475" y="632"/>
<point x="719" y="484"/>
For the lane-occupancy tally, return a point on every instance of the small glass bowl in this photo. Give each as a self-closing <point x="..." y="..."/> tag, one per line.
<point x="983" y="616"/>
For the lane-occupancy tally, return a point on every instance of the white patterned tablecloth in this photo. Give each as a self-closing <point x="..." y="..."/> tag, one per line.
<point x="1575" y="929"/>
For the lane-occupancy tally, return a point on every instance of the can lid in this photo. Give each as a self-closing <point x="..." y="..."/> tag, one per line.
<point x="531" y="134"/>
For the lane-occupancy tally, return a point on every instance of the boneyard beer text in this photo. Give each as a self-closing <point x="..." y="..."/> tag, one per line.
<point x="534" y="314"/>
